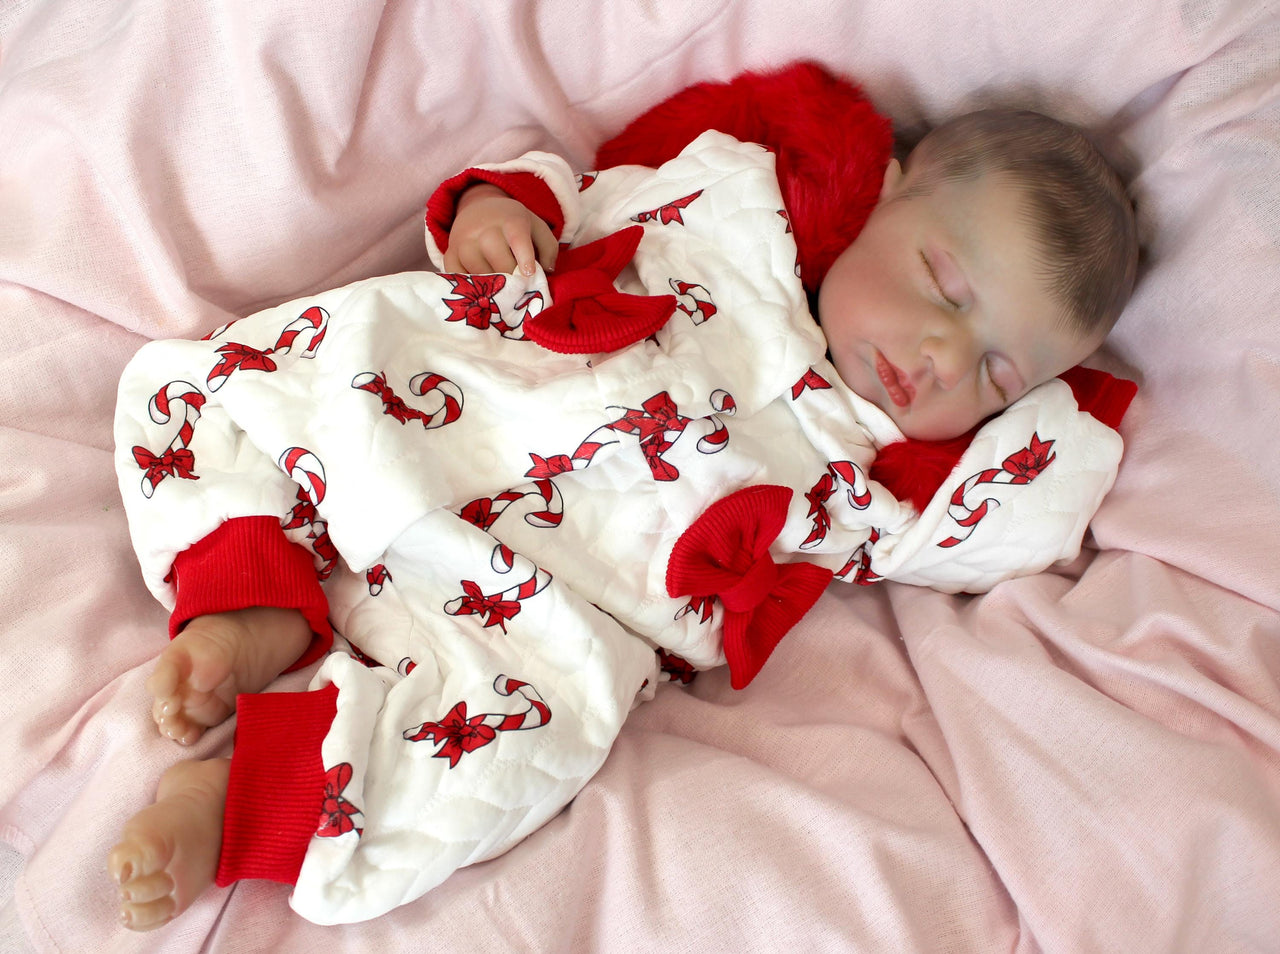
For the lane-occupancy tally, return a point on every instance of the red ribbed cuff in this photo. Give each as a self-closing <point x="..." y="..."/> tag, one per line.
<point x="276" y="792"/>
<point x="525" y="187"/>
<point x="248" y="561"/>
<point x="1103" y="395"/>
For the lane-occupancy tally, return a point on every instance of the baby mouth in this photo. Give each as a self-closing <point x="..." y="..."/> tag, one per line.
<point x="896" y="384"/>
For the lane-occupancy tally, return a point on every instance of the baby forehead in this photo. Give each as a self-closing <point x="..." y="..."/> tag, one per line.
<point x="989" y="222"/>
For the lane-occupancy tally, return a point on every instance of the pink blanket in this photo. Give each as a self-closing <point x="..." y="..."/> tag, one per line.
<point x="1087" y="760"/>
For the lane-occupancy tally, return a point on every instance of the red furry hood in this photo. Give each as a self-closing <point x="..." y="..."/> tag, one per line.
<point x="831" y="145"/>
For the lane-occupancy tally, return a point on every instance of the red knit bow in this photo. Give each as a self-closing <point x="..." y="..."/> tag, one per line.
<point x="588" y="314"/>
<point x="726" y="554"/>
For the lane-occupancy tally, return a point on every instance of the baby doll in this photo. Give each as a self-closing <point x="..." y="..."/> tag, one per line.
<point x="529" y="492"/>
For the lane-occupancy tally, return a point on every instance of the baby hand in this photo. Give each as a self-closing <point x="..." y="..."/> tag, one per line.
<point x="492" y="232"/>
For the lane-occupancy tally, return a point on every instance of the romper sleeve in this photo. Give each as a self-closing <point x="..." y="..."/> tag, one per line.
<point x="1022" y="494"/>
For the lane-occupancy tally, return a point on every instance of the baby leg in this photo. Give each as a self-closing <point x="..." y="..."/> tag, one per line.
<point x="168" y="853"/>
<point x="200" y="672"/>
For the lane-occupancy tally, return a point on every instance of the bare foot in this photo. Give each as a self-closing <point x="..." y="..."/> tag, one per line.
<point x="168" y="852"/>
<point x="214" y="658"/>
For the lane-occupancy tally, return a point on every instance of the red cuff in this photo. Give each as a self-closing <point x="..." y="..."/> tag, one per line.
<point x="276" y="792"/>
<point x="525" y="187"/>
<point x="1103" y="395"/>
<point x="248" y="561"/>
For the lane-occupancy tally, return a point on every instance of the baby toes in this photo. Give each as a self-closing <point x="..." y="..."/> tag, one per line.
<point x="180" y="730"/>
<point x="144" y="916"/>
<point x="168" y="853"/>
<point x="152" y="887"/>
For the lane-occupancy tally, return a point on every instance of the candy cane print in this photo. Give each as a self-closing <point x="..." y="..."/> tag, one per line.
<point x="703" y="605"/>
<point x="304" y="468"/>
<point x="544" y="467"/>
<point x="219" y="330"/>
<point x="840" y="472"/>
<point x="851" y="475"/>
<point x="376" y="577"/>
<point x="715" y="442"/>
<point x="426" y="382"/>
<point x="1020" y="467"/>
<point x="529" y="305"/>
<point x="723" y="403"/>
<point x="699" y="307"/>
<point x="177" y="459"/>
<point x="458" y="735"/>
<point x="235" y="356"/>
<point x="858" y="567"/>
<point x="503" y="560"/>
<point x="498" y="608"/>
<point x="483" y="512"/>
<point x="552" y="511"/>
<point x="315" y="321"/>
<point x="421" y="384"/>
<point x="538" y="713"/>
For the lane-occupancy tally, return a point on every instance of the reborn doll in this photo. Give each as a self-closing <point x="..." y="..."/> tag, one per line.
<point x="523" y="494"/>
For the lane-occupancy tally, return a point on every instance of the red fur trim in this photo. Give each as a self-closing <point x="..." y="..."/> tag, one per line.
<point x="913" y="470"/>
<point x="832" y="148"/>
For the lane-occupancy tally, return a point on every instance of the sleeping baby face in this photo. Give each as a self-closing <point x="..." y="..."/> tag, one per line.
<point x="938" y="312"/>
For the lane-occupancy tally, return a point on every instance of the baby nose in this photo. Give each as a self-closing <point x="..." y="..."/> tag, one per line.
<point x="952" y="354"/>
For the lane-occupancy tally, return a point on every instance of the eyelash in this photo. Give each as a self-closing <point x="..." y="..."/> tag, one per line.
<point x="1004" y="395"/>
<point x="937" y="286"/>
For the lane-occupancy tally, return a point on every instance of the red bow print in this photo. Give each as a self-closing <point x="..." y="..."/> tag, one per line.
<point x="180" y="462"/>
<point x="726" y="553"/>
<point x="496" y="611"/>
<point x="1027" y="464"/>
<point x="241" y="357"/>
<point x="336" y="813"/>
<point x="589" y="315"/>
<point x="474" y="302"/>
<point x="459" y="734"/>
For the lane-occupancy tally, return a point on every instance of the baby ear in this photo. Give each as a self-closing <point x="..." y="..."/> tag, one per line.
<point x="892" y="180"/>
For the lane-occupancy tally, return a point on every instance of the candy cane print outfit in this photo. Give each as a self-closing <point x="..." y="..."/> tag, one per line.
<point x="517" y="489"/>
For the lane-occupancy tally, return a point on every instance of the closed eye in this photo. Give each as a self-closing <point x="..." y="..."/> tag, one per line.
<point x="937" y="285"/>
<point x="991" y="368"/>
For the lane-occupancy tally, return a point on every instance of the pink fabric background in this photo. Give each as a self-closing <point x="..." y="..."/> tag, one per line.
<point x="1088" y="760"/>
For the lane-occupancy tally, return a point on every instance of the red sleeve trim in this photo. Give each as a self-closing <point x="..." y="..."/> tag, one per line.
<point x="276" y="791"/>
<point x="525" y="187"/>
<point x="248" y="561"/>
<point x="1103" y="395"/>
